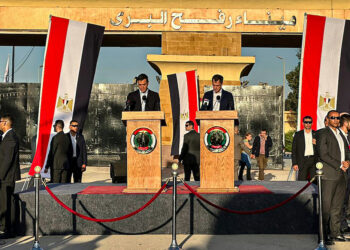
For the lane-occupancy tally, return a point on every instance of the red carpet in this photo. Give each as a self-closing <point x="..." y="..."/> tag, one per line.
<point x="243" y="189"/>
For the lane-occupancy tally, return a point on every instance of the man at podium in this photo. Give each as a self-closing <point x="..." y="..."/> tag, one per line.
<point x="217" y="99"/>
<point x="142" y="99"/>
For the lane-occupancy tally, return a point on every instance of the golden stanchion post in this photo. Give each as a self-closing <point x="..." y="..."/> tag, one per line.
<point x="37" y="179"/>
<point x="319" y="174"/>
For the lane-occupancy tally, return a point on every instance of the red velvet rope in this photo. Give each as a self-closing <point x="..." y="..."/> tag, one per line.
<point x="104" y="220"/>
<point x="247" y="212"/>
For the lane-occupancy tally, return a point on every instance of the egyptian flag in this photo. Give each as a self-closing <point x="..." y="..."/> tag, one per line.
<point x="325" y="68"/>
<point x="71" y="54"/>
<point x="184" y="97"/>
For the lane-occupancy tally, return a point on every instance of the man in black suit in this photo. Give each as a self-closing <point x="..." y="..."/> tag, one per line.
<point x="304" y="151"/>
<point x="335" y="157"/>
<point x="77" y="152"/>
<point x="57" y="159"/>
<point x="9" y="174"/>
<point x="142" y="99"/>
<point x="261" y="150"/>
<point x="218" y="99"/>
<point x="190" y="152"/>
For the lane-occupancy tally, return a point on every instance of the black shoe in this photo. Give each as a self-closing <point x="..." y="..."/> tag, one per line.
<point x="329" y="242"/>
<point x="339" y="238"/>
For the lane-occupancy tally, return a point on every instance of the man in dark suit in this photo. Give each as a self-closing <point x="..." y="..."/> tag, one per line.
<point x="77" y="152"/>
<point x="57" y="159"/>
<point x="142" y="99"/>
<point x="217" y="99"/>
<point x="304" y="151"/>
<point x="190" y="152"/>
<point x="335" y="157"/>
<point x="9" y="174"/>
<point x="261" y="150"/>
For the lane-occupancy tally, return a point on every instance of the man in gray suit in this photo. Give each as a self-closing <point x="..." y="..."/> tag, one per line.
<point x="57" y="159"/>
<point x="9" y="174"/>
<point x="335" y="157"/>
<point x="190" y="152"/>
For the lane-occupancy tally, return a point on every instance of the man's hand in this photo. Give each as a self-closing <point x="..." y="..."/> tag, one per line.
<point x="314" y="141"/>
<point x="83" y="168"/>
<point x="345" y="164"/>
<point x="46" y="170"/>
<point x="295" y="167"/>
<point x="252" y="156"/>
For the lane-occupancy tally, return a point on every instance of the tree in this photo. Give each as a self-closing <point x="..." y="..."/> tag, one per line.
<point x="293" y="82"/>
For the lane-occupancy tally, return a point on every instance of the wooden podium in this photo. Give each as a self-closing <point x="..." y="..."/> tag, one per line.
<point x="217" y="151"/>
<point x="144" y="151"/>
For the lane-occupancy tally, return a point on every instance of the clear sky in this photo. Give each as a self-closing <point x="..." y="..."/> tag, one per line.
<point x="121" y="65"/>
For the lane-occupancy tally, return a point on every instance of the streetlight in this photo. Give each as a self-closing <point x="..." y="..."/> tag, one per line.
<point x="283" y="99"/>
<point x="39" y="73"/>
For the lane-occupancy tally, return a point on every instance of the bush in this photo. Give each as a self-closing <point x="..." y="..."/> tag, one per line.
<point x="289" y="141"/>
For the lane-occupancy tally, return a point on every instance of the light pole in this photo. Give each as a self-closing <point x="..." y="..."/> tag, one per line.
<point x="283" y="99"/>
<point x="39" y="73"/>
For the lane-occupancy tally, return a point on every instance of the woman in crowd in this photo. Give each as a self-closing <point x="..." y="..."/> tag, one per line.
<point x="245" y="158"/>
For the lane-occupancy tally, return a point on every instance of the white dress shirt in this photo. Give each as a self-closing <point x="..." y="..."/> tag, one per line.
<point x="216" y="104"/>
<point x="74" y="144"/>
<point x="340" y="143"/>
<point x="3" y="135"/>
<point x="309" y="148"/>
<point x="143" y="103"/>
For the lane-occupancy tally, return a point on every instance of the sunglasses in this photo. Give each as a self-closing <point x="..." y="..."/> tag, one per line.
<point x="74" y="126"/>
<point x="307" y="122"/>
<point x="334" y="117"/>
<point x="187" y="125"/>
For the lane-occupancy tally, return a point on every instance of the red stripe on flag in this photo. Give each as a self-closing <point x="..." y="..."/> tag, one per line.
<point x="52" y="71"/>
<point x="192" y="96"/>
<point x="311" y="67"/>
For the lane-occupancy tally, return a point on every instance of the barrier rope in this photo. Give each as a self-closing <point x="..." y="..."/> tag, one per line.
<point x="104" y="220"/>
<point x="259" y="211"/>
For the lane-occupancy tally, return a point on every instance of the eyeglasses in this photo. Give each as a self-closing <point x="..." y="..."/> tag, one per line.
<point x="74" y="126"/>
<point x="2" y="121"/>
<point x="308" y="122"/>
<point x="334" y="117"/>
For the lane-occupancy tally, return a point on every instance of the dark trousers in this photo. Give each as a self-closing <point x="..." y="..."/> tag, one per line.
<point x="75" y="171"/>
<point x="7" y="207"/>
<point x="59" y="176"/>
<point x="240" y="175"/>
<point x="333" y="194"/>
<point x="195" y="170"/>
<point x="307" y="169"/>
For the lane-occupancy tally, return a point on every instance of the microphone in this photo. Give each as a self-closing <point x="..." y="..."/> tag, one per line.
<point x="144" y="98"/>
<point x="218" y="98"/>
<point x="127" y="106"/>
<point x="205" y="105"/>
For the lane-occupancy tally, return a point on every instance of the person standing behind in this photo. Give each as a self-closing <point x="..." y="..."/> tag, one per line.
<point x="238" y="148"/>
<point x="245" y="157"/>
<point x="334" y="155"/>
<point x="77" y="152"/>
<point x="190" y="152"/>
<point x="142" y="99"/>
<point x="9" y="174"/>
<point x="261" y="148"/>
<point x="57" y="159"/>
<point x="217" y="99"/>
<point x="303" y="151"/>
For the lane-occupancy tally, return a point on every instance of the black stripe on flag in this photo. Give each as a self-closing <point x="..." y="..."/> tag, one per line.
<point x="175" y="107"/>
<point x="343" y="101"/>
<point x="91" y="49"/>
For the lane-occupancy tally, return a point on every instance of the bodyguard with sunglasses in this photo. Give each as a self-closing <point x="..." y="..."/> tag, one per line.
<point x="334" y="155"/>
<point x="77" y="152"/>
<point x="304" y="151"/>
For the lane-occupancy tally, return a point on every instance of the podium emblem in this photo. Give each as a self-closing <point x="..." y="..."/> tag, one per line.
<point x="216" y="139"/>
<point x="143" y="140"/>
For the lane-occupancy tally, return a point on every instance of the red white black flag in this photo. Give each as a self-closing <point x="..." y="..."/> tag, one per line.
<point x="184" y="95"/>
<point x="325" y="68"/>
<point x="71" y="54"/>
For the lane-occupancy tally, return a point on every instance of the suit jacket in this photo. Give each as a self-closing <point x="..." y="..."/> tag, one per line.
<point x="190" y="152"/>
<point x="9" y="158"/>
<point x="298" y="147"/>
<point x="58" y="154"/>
<point x="256" y="146"/>
<point x="152" y="102"/>
<point x="329" y="154"/>
<point x="81" y="153"/>
<point x="226" y="101"/>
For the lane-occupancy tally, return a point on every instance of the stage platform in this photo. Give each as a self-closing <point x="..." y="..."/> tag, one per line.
<point x="102" y="200"/>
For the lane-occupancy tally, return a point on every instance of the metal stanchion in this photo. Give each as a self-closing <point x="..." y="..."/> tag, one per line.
<point x="319" y="173"/>
<point x="37" y="179"/>
<point x="174" y="245"/>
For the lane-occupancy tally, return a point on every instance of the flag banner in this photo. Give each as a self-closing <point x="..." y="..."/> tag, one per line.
<point x="325" y="69"/>
<point x="71" y="54"/>
<point x="184" y="95"/>
<point x="6" y="75"/>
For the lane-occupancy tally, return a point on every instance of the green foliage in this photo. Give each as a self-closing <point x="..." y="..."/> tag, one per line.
<point x="289" y="141"/>
<point x="293" y="82"/>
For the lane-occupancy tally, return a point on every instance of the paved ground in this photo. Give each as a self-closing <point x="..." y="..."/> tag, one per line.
<point x="193" y="242"/>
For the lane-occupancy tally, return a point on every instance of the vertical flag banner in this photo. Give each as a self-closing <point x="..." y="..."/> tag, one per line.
<point x="184" y="95"/>
<point x="325" y="68"/>
<point x="72" y="49"/>
<point x="6" y="74"/>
